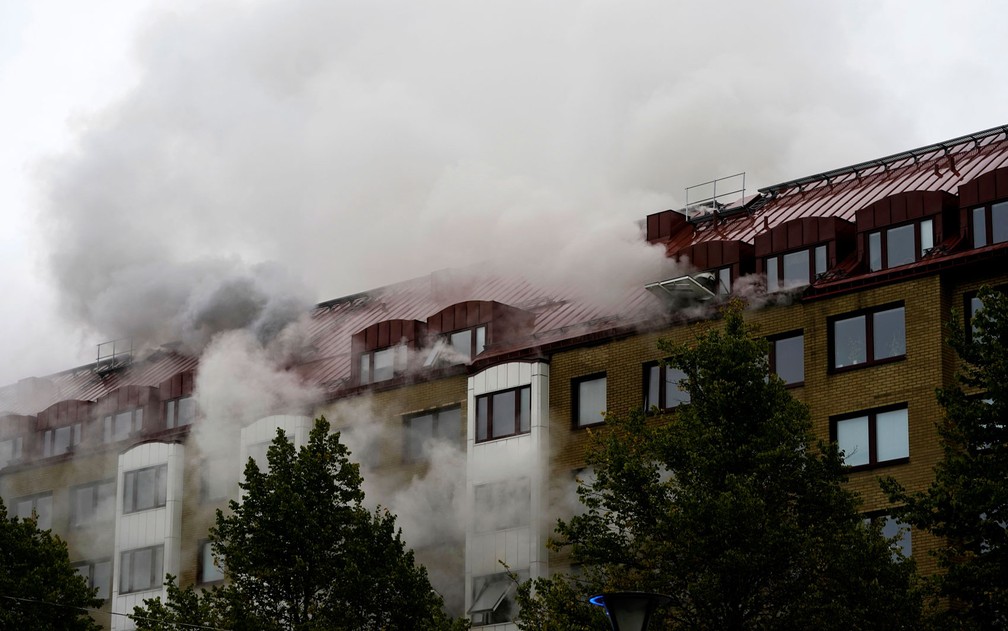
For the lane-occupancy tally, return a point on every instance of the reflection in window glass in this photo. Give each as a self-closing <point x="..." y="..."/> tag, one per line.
<point x="892" y="439"/>
<point x="384" y="364"/>
<point x="900" y="246"/>
<point x="724" y="281"/>
<point x="503" y="414"/>
<point x="999" y="222"/>
<point x="796" y="268"/>
<point x="480" y="339"/>
<point x="209" y="570"/>
<point x="850" y="346"/>
<point x="889" y="333"/>
<point x="852" y="438"/>
<point x="979" y="227"/>
<point x="674" y="393"/>
<point x="892" y="528"/>
<point x="789" y="359"/>
<point x="591" y="401"/>
<point x="461" y="343"/>
<point x="771" y="274"/>
<point x="926" y="235"/>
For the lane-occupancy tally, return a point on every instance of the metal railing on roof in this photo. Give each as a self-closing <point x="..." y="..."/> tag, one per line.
<point x="113" y="355"/>
<point x="697" y="208"/>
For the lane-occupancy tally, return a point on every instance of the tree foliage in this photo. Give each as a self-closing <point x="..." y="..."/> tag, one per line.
<point x="728" y="506"/>
<point x="301" y="552"/>
<point x="966" y="506"/>
<point x="39" y="589"/>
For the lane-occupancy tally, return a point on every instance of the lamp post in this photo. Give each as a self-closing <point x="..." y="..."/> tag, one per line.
<point x="629" y="611"/>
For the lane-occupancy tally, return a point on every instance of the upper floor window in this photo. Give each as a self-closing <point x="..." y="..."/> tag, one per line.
<point x="787" y="358"/>
<point x="494" y="599"/>
<point x="588" y="400"/>
<point x="61" y="439"/>
<point x="989" y="224"/>
<point x="502" y="414"/>
<point x="259" y="452"/>
<point x="900" y="245"/>
<point x="121" y="425"/>
<point x="91" y="503"/>
<point x="141" y="569"/>
<point x="145" y="488"/>
<point x="463" y="346"/>
<point x="662" y="387"/>
<point x="180" y="412"/>
<point x="873" y="437"/>
<point x="795" y="269"/>
<point x="98" y="575"/>
<point x="868" y="337"/>
<point x="39" y="505"/>
<point x="208" y="570"/>
<point x="502" y="505"/>
<point x="723" y="277"/>
<point x="11" y="450"/>
<point x="382" y="364"/>
<point x="422" y="429"/>
<point x="215" y="481"/>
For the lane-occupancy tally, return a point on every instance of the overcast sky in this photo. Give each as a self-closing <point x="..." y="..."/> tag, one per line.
<point x="158" y="157"/>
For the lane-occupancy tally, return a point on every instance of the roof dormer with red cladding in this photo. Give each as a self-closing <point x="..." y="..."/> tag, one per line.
<point x="381" y="351"/>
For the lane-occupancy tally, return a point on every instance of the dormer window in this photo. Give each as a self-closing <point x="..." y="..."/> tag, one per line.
<point x="723" y="262"/>
<point x="989" y="224"/>
<point x="458" y="347"/>
<point x="121" y="425"/>
<point x="795" y="269"/>
<point x="383" y="364"/>
<point x="900" y="245"/>
<point x="11" y="450"/>
<point x="724" y="281"/>
<point x="61" y="440"/>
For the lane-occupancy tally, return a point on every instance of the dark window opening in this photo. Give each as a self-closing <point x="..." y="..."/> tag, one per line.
<point x="662" y="387"/>
<point x="503" y="414"/>
<point x="787" y="358"/>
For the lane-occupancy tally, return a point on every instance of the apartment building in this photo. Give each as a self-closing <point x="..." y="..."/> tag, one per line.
<point x="493" y="381"/>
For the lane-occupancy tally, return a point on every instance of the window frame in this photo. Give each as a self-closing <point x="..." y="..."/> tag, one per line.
<point x="172" y="417"/>
<point x="576" y="383"/>
<point x="489" y="398"/>
<point x="902" y="547"/>
<point x="126" y="569"/>
<point x="872" y="416"/>
<point x="12" y="509"/>
<point x="16" y="450"/>
<point x="206" y="466"/>
<point x="97" y="500"/>
<point x="409" y="438"/>
<point x="869" y="314"/>
<point x="988" y="221"/>
<point x="883" y="243"/>
<point x="813" y="268"/>
<point x="49" y="439"/>
<point x="90" y="565"/>
<point x="772" y="355"/>
<point x="160" y="477"/>
<point x="135" y="424"/>
<point x="663" y="369"/>
<point x="400" y="359"/>
<point x="969" y="312"/>
<point x="201" y="569"/>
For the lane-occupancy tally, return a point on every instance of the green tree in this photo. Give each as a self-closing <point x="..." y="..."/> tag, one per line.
<point x="301" y="552"/>
<point x="966" y="506"/>
<point x="727" y="505"/>
<point x="39" y="589"/>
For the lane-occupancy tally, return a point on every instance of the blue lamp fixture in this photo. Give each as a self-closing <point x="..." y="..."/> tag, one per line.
<point x="629" y="611"/>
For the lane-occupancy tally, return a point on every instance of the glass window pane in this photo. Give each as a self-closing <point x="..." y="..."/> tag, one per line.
<point x="480" y="339"/>
<point x="146" y="490"/>
<point x="849" y="346"/>
<point x="875" y="251"/>
<point x="143" y="567"/>
<point x="43" y="507"/>
<point x="820" y="259"/>
<point x="651" y="387"/>
<point x="999" y="222"/>
<point x="674" y="393"/>
<point x="461" y="343"/>
<point x="852" y="438"/>
<point x="158" y="567"/>
<point x="893" y="527"/>
<point x="384" y="364"/>
<point x="210" y="571"/>
<point x="926" y="235"/>
<point x="503" y="414"/>
<point x="979" y="227"/>
<point x="525" y="410"/>
<point x="796" y="268"/>
<point x="138" y="419"/>
<point x="170" y="417"/>
<point x="162" y="486"/>
<point x="771" y="274"/>
<point x="186" y="411"/>
<point x="789" y="358"/>
<point x="889" y="333"/>
<point x="365" y="368"/>
<point x="448" y="423"/>
<point x="591" y="401"/>
<point x="900" y="248"/>
<point x="129" y="494"/>
<point x="125" y="571"/>
<point x="724" y="281"/>
<point x="481" y="417"/>
<point x="419" y="430"/>
<point x="892" y="439"/>
<point x="61" y="442"/>
<point x="102" y="578"/>
<point x="124" y="424"/>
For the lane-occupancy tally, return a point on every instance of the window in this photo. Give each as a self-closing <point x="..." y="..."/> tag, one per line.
<point x="145" y="488"/>
<point x="215" y="481"/>
<point x="896" y="531"/>
<point x="260" y="452"/>
<point x="900" y="245"/>
<point x="98" y="574"/>
<point x="38" y="505"/>
<point x="121" y="425"/>
<point x="11" y="450"/>
<point x="502" y="505"/>
<point x="972" y="308"/>
<point x="494" y="598"/>
<point x="423" y="429"/>
<point x="208" y="570"/>
<point x="874" y="437"/>
<point x="787" y="358"/>
<point x="61" y="440"/>
<point x="141" y="569"/>
<point x="661" y="387"/>
<point x="458" y="347"/>
<point x="989" y="224"/>
<point x="180" y="412"/>
<point x="91" y="503"/>
<point x="589" y="400"/>
<point x="505" y="413"/>
<point x="724" y="283"/>
<point x="868" y="338"/>
<point x="795" y="269"/>
<point x="383" y="364"/>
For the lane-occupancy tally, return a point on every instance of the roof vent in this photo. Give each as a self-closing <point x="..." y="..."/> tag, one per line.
<point x="114" y="355"/>
<point x="685" y="290"/>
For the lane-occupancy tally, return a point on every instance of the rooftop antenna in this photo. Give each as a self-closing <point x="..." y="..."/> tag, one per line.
<point x="113" y="355"/>
<point x="707" y="194"/>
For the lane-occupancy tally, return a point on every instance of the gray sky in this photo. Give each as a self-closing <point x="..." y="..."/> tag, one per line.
<point x="158" y="157"/>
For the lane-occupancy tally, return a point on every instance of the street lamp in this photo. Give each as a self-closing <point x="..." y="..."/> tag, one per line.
<point x="629" y="611"/>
